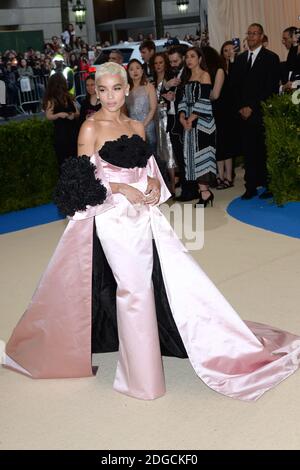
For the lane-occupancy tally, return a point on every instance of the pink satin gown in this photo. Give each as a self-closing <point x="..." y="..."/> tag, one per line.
<point x="53" y="338"/>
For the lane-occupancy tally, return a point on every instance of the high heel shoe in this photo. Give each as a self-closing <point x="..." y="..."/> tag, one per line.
<point x="204" y="202"/>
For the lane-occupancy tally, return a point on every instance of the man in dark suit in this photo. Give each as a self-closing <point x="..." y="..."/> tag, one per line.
<point x="147" y="50"/>
<point x="173" y="94"/>
<point x="290" y="68"/>
<point x="255" y="78"/>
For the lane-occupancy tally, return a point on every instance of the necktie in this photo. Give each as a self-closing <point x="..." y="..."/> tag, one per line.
<point x="249" y="62"/>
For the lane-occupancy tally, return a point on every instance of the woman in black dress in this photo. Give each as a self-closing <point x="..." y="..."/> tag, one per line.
<point x="60" y="108"/>
<point x="91" y="104"/>
<point x="196" y="117"/>
<point x="222" y="109"/>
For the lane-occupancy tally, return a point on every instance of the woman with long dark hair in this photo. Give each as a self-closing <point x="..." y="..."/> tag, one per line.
<point x="91" y="104"/>
<point x="228" y="54"/>
<point x="60" y="108"/>
<point x="196" y="117"/>
<point x="222" y="105"/>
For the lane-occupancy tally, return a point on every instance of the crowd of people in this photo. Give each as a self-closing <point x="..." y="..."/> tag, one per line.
<point x="200" y="108"/>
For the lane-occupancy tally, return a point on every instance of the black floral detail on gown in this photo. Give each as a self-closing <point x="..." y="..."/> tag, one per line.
<point x="126" y="152"/>
<point x="78" y="186"/>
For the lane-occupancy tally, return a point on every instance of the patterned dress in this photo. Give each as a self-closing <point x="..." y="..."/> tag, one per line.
<point x="199" y="142"/>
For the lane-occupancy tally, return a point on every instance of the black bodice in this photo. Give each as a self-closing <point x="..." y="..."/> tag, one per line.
<point x="126" y="152"/>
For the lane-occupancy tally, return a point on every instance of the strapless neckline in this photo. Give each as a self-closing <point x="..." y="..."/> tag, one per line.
<point x="126" y="151"/>
<point x="123" y="137"/>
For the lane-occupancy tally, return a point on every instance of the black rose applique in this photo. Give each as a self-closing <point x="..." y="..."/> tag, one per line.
<point x="126" y="152"/>
<point x="78" y="186"/>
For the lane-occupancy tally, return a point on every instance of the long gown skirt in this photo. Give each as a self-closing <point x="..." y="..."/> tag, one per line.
<point x="53" y="338"/>
<point x="126" y="239"/>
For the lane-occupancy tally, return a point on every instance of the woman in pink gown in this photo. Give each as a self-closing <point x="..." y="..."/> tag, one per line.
<point x="120" y="280"/>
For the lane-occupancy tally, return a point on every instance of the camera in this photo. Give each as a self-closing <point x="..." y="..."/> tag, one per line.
<point x="236" y="44"/>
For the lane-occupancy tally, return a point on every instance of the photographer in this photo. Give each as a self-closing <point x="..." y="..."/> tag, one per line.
<point x="291" y="68"/>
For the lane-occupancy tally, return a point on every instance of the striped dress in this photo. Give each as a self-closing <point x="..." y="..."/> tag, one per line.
<point x="199" y="142"/>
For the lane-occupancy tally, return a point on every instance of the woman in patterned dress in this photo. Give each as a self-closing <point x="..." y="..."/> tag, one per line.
<point x="196" y="116"/>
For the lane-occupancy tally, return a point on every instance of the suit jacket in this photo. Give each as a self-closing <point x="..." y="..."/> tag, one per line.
<point x="173" y="124"/>
<point x="259" y="83"/>
<point x="292" y="64"/>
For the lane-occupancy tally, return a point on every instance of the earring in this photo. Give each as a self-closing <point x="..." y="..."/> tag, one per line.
<point x="127" y="94"/>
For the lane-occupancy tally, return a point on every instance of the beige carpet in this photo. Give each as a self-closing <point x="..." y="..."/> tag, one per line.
<point x="257" y="271"/>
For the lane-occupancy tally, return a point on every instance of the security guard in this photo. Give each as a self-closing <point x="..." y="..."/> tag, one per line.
<point x="61" y="67"/>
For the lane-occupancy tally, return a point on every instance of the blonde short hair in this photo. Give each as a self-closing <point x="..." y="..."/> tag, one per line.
<point x="111" y="68"/>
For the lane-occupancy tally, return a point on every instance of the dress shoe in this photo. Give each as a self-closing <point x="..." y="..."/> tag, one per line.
<point x="266" y="194"/>
<point x="249" y="195"/>
<point x="204" y="202"/>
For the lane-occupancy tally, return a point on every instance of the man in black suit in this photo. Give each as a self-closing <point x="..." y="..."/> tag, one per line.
<point x="255" y="78"/>
<point x="147" y="50"/>
<point x="290" y="68"/>
<point x="173" y="88"/>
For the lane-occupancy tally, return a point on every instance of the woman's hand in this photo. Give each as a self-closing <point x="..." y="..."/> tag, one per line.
<point x="152" y="193"/>
<point x="187" y="125"/>
<point x="133" y="195"/>
<point x="170" y="96"/>
<point x="190" y="120"/>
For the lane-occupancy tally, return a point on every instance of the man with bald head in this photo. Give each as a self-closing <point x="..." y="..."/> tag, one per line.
<point x="255" y="78"/>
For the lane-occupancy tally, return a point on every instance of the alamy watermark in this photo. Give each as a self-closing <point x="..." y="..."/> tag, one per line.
<point x="177" y="223"/>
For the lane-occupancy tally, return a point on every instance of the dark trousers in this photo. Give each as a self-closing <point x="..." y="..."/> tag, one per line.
<point x="254" y="150"/>
<point x="177" y="145"/>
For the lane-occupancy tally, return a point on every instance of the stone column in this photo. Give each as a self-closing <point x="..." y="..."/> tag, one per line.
<point x="90" y="22"/>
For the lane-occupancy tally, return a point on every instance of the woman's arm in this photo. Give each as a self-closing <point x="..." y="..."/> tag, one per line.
<point x="51" y="116"/>
<point x="74" y="115"/>
<point x="152" y="103"/>
<point x="219" y="82"/>
<point x="87" y="139"/>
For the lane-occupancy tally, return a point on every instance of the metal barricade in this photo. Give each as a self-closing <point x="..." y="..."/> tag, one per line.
<point x="30" y="99"/>
<point x="79" y="80"/>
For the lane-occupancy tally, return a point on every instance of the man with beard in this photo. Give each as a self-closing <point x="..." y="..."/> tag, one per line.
<point x="173" y="95"/>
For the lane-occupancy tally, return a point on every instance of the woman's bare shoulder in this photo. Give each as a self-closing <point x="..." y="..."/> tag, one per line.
<point x="150" y="87"/>
<point x="88" y="125"/>
<point x="205" y="78"/>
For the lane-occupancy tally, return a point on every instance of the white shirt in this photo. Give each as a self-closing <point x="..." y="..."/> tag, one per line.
<point x="65" y="36"/>
<point x="254" y="54"/>
<point x="172" y="104"/>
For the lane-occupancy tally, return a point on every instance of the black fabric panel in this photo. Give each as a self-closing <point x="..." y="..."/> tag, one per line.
<point x="104" y="311"/>
<point x="104" y="317"/>
<point x="170" y="340"/>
